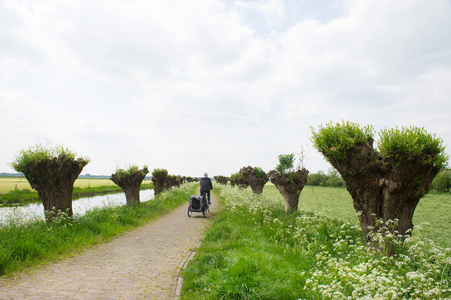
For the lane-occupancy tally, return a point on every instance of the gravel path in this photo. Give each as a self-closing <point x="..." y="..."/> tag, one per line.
<point x="142" y="264"/>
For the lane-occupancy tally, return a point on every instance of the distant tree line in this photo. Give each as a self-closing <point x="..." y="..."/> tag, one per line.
<point x="442" y="182"/>
<point x="333" y="178"/>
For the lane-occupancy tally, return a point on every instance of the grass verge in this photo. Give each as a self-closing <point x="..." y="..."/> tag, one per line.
<point x="24" y="244"/>
<point x="254" y="250"/>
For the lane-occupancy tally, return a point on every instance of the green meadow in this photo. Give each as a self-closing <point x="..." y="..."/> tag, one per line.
<point x="254" y="250"/>
<point x="432" y="217"/>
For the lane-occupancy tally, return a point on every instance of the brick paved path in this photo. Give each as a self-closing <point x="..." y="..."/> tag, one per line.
<point x="141" y="264"/>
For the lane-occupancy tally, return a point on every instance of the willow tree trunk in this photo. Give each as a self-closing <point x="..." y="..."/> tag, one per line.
<point x="257" y="183"/>
<point x="130" y="183"/>
<point x="290" y="186"/>
<point x="384" y="189"/>
<point x="54" y="179"/>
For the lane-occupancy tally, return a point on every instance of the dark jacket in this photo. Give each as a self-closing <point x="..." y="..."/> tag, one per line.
<point x="205" y="184"/>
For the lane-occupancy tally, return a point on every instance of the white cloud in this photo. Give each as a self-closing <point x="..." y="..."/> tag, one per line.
<point x="203" y="85"/>
<point x="272" y="10"/>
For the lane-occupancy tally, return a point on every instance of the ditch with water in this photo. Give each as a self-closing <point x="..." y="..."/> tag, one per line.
<point x="80" y="206"/>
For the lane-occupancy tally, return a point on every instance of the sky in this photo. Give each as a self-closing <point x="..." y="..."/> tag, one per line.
<point x="216" y="85"/>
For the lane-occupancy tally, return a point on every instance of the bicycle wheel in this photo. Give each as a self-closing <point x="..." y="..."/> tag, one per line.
<point x="189" y="212"/>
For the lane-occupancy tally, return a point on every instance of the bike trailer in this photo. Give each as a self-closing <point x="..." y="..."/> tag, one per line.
<point x="197" y="204"/>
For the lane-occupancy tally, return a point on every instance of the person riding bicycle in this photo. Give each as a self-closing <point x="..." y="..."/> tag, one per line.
<point x="206" y="186"/>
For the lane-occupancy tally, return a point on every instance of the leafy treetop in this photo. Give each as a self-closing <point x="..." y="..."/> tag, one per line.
<point x="236" y="176"/>
<point x="258" y="172"/>
<point x="335" y="139"/>
<point x="40" y="154"/>
<point x="412" y="142"/>
<point x="159" y="173"/>
<point x="122" y="173"/>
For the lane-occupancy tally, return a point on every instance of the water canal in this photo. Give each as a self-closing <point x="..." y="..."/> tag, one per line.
<point x="80" y="206"/>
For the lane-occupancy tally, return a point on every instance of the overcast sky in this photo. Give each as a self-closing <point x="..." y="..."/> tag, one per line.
<point x="210" y="85"/>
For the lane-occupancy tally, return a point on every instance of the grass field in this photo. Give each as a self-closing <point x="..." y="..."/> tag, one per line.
<point x="254" y="250"/>
<point x="433" y="211"/>
<point x="8" y="184"/>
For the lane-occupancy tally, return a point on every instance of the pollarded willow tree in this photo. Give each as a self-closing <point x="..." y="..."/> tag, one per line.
<point x="191" y="179"/>
<point x="222" y="179"/>
<point x="385" y="184"/>
<point x="289" y="180"/>
<point x="238" y="180"/>
<point x="173" y="181"/>
<point x="255" y="177"/>
<point x="130" y="182"/>
<point x="158" y="179"/>
<point x="52" y="173"/>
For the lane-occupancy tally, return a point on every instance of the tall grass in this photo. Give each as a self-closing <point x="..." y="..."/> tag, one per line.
<point x="254" y="250"/>
<point x="31" y="243"/>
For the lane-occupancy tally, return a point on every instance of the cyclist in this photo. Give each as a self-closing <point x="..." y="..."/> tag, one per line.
<point x="206" y="186"/>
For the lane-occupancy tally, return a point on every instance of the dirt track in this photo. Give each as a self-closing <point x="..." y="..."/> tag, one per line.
<point x="142" y="264"/>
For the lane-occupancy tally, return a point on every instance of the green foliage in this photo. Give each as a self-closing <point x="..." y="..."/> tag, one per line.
<point x="335" y="182"/>
<point x="321" y="179"/>
<point x="131" y="170"/>
<point x="442" y="182"/>
<point x="412" y="142"/>
<point x="286" y="163"/>
<point x="159" y="173"/>
<point x="28" y="243"/>
<point x="336" y="139"/>
<point x="121" y="173"/>
<point x="39" y="154"/>
<point x="258" y="172"/>
<point x="236" y="177"/>
<point x="317" y="179"/>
